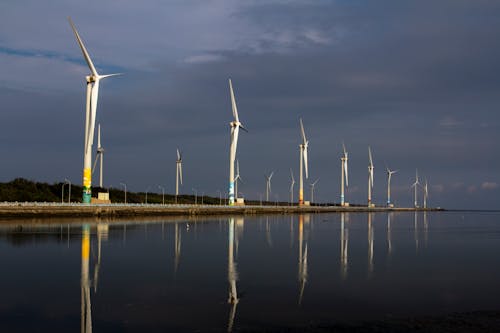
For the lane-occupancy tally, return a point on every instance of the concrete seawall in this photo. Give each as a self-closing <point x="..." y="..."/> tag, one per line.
<point x="40" y="210"/>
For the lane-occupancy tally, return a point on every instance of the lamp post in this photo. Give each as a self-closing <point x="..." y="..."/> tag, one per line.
<point x="202" y="194"/>
<point x="147" y="190"/>
<point x="125" y="190"/>
<point x="62" y="194"/>
<point x="162" y="193"/>
<point x="69" y="191"/>
<point x="220" y="197"/>
<point x="195" y="196"/>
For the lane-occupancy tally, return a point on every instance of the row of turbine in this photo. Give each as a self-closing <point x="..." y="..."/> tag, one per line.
<point x="90" y="118"/>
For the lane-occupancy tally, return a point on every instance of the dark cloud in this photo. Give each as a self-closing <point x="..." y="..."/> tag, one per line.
<point x="415" y="80"/>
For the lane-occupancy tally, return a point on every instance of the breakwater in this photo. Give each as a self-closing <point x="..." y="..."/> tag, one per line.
<point x="40" y="210"/>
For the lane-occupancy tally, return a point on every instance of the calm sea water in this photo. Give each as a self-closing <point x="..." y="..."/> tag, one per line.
<point x="220" y="274"/>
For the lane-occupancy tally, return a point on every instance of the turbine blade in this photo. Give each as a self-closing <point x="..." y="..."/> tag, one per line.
<point x="243" y="128"/>
<point x="233" y="102"/>
<point x="109" y="75"/>
<point x="291" y="174"/>
<point x="346" y="175"/>
<point x="271" y="175"/>
<point x="180" y="172"/>
<point x="84" y="50"/>
<point x="370" y="155"/>
<point x="95" y="162"/>
<point x="178" y="155"/>
<point x="93" y="111"/>
<point x="99" y="136"/>
<point x="304" y="140"/>
<point x="343" y="147"/>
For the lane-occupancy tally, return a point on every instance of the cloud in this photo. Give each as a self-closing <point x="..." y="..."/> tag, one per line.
<point x="489" y="186"/>
<point x="203" y="58"/>
<point x="439" y="188"/>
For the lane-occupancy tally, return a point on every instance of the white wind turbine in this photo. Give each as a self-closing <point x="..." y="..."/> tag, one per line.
<point x="426" y="193"/>
<point x="90" y="116"/>
<point x="303" y="159"/>
<point x="268" y="184"/>
<point x="389" y="176"/>
<point x="312" y="189"/>
<point x="99" y="155"/>
<point x="237" y="178"/>
<point x="370" y="176"/>
<point x="178" y="173"/>
<point x="415" y="184"/>
<point x="291" y="186"/>
<point x="344" y="175"/>
<point x="235" y="128"/>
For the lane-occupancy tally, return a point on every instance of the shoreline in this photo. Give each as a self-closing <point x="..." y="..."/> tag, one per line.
<point x="50" y="210"/>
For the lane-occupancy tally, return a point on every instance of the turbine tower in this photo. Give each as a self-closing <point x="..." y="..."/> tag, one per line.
<point x="237" y="178"/>
<point x="291" y="186"/>
<point x="312" y="189"/>
<point x="344" y="175"/>
<point x="99" y="155"/>
<point x="370" y="176"/>
<point x="178" y="173"/>
<point x="303" y="159"/>
<point x="235" y="128"/>
<point x="90" y="115"/>
<point x="426" y="193"/>
<point x="415" y="184"/>
<point x="268" y="184"/>
<point x="389" y="176"/>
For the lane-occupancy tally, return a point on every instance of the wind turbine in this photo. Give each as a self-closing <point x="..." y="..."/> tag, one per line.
<point x="236" y="178"/>
<point x="90" y="116"/>
<point x="178" y="173"/>
<point x="268" y="184"/>
<point x="415" y="184"/>
<point x="303" y="159"/>
<point x="312" y="189"/>
<point x="389" y="176"/>
<point x="235" y="128"/>
<point x="291" y="186"/>
<point x="344" y="174"/>
<point x="426" y="193"/>
<point x="370" y="176"/>
<point x="99" y="155"/>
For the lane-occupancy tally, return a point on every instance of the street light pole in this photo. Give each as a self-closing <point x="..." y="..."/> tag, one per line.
<point x="125" y="186"/>
<point x="69" y="191"/>
<point x="62" y="194"/>
<point x="220" y="197"/>
<point x="195" y="196"/>
<point x="147" y="194"/>
<point x="162" y="193"/>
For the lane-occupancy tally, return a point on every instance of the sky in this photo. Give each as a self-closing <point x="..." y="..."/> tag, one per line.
<point x="418" y="81"/>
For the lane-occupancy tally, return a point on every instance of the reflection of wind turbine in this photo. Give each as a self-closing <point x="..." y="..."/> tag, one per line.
<point x="312" y="189"/>
<point x="232" y="276"/>
<point x="302" y="259"/>
<point x="268" y="184"/>
<point x="90" y="116"/>
<point x="177" y="245"/>
<point x="237" y="178"/>
<point x="344" y="242"/>
<point x="303" y="159"/>
<point x="344" y="175"/>
<point x="370" y="244"/>
<point x="415" y="184"/>
<point x="291" y="187"/>
<point x="370" y="176"/>
<point x="178" y="173"/>
<point x="416" y="231"/>
<point x="389" y="243"/>
<point x="99" y="155"/>
<point x="389" y="176"/>
<point x="235" y="128"/>
<point x="102" y="232"/>
<point x="86" y="311"/>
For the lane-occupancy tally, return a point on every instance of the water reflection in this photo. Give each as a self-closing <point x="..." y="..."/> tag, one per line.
<point x="370" y="244"/>
<point x="389" y="242"/>
<point x="302" y="275"/>
<point x="415" y="228"/>
<point x="86" y="312"/>
<point x="232" y="274"/>
<point x="344" y="244"/>
<point x="177" y="247"/>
